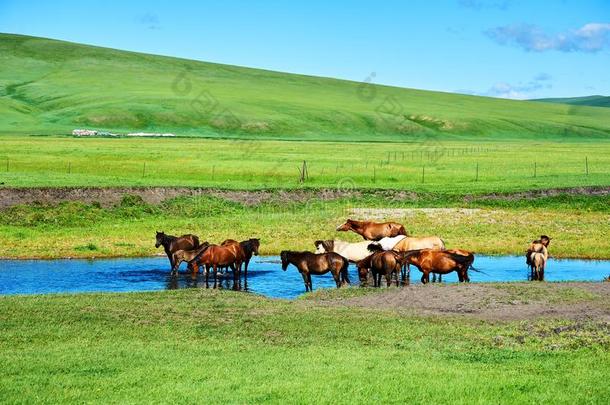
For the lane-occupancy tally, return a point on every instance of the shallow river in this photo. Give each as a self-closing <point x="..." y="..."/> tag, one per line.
<point x="264" y="277"/>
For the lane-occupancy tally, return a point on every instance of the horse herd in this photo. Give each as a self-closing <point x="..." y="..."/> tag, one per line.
<point x="387" y="251"/>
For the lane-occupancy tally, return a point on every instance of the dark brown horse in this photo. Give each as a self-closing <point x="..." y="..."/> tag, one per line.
<point x="214" y="257"/>
<point x="310" y="263"/>
<point x="172" y="244"/>
<point x="373" y="230"/>
<point x="250" y="248"/>
<point x="384" y="262"/>
<point x="440" y="262"/>
<point x="240" y="257"/>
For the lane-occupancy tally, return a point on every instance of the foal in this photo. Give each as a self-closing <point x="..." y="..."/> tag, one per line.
<point x="310" y="263"/>
<point x="373" y="230"/>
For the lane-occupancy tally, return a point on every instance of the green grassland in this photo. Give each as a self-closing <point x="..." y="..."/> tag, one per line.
<point x="192" y="346"/>
<point x="448" y="166"/>
<point x="580" y="225"/>
<point x="595" y="101"/>
<point x="52" y="87"/>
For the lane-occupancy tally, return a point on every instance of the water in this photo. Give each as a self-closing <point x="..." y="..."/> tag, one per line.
<point x="265" y="275"/>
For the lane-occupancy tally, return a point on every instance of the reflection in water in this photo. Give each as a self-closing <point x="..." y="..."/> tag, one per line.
<point x="264" y="275"/>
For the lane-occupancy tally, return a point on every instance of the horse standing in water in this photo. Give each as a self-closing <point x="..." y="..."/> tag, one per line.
<point x="310" y="263"/>
<point x="373" y="230"/>
<point x="171" y="244"/>
<point x="187" y="256"/>
<point x="440" y="262"/>
<point x="215" y="257"/>
<point x="354" y="252"/>
<point x="381" y="262"/>
<point x="538" y="263"/>
<point x="413" y="243"/>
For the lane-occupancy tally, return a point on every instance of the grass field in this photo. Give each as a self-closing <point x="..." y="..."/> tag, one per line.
<point x="217" y="347"/>
<point x="578" y="224"/>
<point x="447" y="166"/>
<point x="52" y="87"/>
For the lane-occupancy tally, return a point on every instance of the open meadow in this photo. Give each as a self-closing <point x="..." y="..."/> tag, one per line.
<point x="344" y="347"/>
<point x="286" y="158"/>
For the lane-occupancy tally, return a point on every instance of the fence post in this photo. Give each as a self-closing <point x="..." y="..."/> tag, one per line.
<point x="423" y="173"/>
<point x="374" y="174"/>
<point x="535" y="168"/>
<point x="69" y="167"/>
<point x="144" y="170"/>
<point x="7" y="164"/>
<point x="477" y="177"/>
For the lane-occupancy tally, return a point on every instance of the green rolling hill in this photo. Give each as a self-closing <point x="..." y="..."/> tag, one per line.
<point x="52" y="87"/>
<point x="593" y="101"/>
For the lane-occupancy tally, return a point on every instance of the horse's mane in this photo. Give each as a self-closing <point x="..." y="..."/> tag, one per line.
<point x="374" y="247"/>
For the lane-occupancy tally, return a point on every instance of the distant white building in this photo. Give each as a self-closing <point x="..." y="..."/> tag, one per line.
<point x="84" y="132"/>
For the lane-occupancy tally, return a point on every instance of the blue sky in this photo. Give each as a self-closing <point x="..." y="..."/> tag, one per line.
<point x="500" y="48"/>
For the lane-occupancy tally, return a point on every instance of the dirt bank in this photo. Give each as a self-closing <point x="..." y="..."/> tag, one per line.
<point x="155" y="195"/>
<point x="498" y="301"/>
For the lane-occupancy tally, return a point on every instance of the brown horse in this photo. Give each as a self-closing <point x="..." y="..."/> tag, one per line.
<point x="172" y="244"/>
<point x="310" y="263"/>
<point x="215" y="257"/>
<point x="440" y="262"/>
<point x="250" y="248"/>
<point x="384" y="262"/>
<point x="240" y="256"/>
<point x="187" y="256"/>
<point x="373" y="230"/>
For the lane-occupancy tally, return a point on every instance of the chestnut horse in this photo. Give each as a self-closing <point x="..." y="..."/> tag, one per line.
<point x="215" y="257"/>
<point x="310" y="263"/>
<point x="172" y="244"/>
<point x="384" y="262"/>
<point x="440" y="262"/>
<point x="413" y="243"/>
<point x="373" y="230"/>
<point x="240" y="256"/>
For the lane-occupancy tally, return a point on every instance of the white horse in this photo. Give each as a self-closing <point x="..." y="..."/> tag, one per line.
<point x="357" y="251"/>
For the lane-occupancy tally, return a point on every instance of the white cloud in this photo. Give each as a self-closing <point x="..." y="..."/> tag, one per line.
<point x="591" y="37"/>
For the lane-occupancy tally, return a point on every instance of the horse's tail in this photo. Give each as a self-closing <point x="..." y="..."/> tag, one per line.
<point x="374" y="247"/>
<point x="442" y="245"/>
<point x="195" y="241"/>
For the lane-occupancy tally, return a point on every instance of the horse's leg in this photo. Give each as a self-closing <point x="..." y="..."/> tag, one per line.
<point x="309" y="281"/>
<point x="425" y="277"/>
<point x="440" y="278"/>
<point x="337" y="277"/>
<point x="388" y="279"/>
<point x="305" y="281"/>
<point x="207" y="275"/>
<point x="215" y="268"/>
<point x="170" y="256"/>
<point x="397" y="277"/>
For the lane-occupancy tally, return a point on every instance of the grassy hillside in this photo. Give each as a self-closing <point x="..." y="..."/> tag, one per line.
<point x="594" y="101"/>
<point x="49" y="86"/>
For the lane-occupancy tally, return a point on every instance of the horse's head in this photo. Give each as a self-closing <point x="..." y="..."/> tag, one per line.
<point x="545" y="240"/>
<point x="363" y="272"/>
<point x="159" y="238"/>
<point x="255" y="243"/>
<point x="284" y="257"/>
<point x="346" y="226"/>
<point x="324" y="246"/>
<point x="401" y="230"/>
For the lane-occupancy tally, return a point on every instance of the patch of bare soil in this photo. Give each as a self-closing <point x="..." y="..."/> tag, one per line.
<point x="108" y="196"/>
<point x="509" y="301"/>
